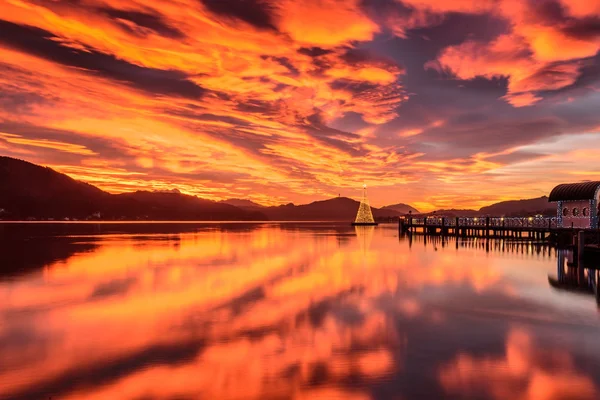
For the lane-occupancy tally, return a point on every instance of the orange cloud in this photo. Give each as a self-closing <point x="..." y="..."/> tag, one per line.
<point x="48" y="144"/>
<point x="411" y="132"/>
<point x="326" y="23"/>
<point x="545" y="41"/>
<point x="582" y="8"/>
<point x="522" y="99"/>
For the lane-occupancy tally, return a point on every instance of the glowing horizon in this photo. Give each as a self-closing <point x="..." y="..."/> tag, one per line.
<point x="436" y="104"/>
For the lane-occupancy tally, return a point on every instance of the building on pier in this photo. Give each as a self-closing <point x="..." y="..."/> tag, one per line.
<point x="578" y="204"/>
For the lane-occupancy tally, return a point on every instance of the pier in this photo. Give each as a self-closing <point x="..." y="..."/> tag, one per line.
<point x="576" y="222"/>
<point x="584" y="242"/>
<point x="490" y="227"/>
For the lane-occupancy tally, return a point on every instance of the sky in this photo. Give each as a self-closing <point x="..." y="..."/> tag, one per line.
<point x="435" y="103"/>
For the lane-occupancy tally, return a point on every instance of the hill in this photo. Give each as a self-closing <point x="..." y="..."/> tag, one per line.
<point x="455" y="213"/>
<point x="243" y="203"/>
<point x="175" y="206"/>
<point x="510" y="208"/>
<point x="335" y="209"/>
<point x="513" y="208"/>
<point x="401" y="208"/>
<point x="30" y="191"/>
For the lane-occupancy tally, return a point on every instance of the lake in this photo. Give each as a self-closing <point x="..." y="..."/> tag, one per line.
<point x="290" y="310"/>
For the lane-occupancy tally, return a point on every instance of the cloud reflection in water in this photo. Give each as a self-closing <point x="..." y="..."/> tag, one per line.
<point x="280" y="311"/>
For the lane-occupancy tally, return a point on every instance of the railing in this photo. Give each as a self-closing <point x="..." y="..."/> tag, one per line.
<point x="474" y="222"/>
<point x="491" y="222"/>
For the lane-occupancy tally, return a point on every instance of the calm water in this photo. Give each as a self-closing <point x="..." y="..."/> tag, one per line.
<point x="277" y="311"/>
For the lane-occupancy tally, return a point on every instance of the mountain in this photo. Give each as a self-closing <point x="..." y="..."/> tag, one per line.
<point x="28" y="190"/>
<point x="525" y="207"/>
<point x="31" y="191"/>
<point x="511" y="208"/>
<point x="175" y="206"/>
<point x="243" y="203"/>
<point x="401" y="208"/>
<point x="175" y="190"/>
<point x="335" y="209"/>
<point x="455" y="213"/>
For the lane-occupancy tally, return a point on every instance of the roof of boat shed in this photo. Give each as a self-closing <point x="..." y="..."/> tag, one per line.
<point x="574" y="191"/>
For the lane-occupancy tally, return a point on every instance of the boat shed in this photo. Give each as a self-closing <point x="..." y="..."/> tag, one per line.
<point x="578" y="204"/>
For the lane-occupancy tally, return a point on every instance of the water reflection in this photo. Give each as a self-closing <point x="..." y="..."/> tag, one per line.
<point x="364" y="234"/>
<point x="525" y="368"/>
<point x="267" y="311"/>
<point x="575" y="278"/>
<point x="503" y="245"/>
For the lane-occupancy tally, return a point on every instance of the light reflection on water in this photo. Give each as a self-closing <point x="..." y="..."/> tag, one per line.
<point x="263" y="311"/>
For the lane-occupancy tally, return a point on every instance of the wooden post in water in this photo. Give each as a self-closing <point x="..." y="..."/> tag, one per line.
<point x="487" y="227"/>
<point x="580" y="248"/>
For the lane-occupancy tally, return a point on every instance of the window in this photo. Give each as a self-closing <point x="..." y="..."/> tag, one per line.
<point x="565" y="212"/>
<point x="575" y="212"/>
<point x="585" y="212"/>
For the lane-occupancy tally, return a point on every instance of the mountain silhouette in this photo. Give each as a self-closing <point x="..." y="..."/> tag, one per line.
<point x="510" y="208"/>
<point x="539" y="205"/>
<point x="30" y="191"/>
<point x="35" y="192"/>
<point x="243" y="203"/>
<point x="401" y="208"/>
<point x="452" y="212"/>
<point x="335" y="209"/>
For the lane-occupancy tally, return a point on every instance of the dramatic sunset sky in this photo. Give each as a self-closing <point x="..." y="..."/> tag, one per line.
<point x="436" y="103"/>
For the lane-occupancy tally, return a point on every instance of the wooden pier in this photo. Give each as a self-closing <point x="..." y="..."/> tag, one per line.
<point x="492" y="227"/>
<point x="586" y="243"/>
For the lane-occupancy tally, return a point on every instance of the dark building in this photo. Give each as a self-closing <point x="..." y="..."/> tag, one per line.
<point x="577" y="204"/>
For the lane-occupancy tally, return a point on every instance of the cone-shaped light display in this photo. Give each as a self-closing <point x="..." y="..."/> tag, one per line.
<point x="364" y="214"/>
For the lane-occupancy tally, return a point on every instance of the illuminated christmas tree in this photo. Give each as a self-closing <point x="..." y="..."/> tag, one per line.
<point x="364" y="215"/>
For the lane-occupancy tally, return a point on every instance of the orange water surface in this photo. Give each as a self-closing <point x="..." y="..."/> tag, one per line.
<point x="278" y="311"/>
